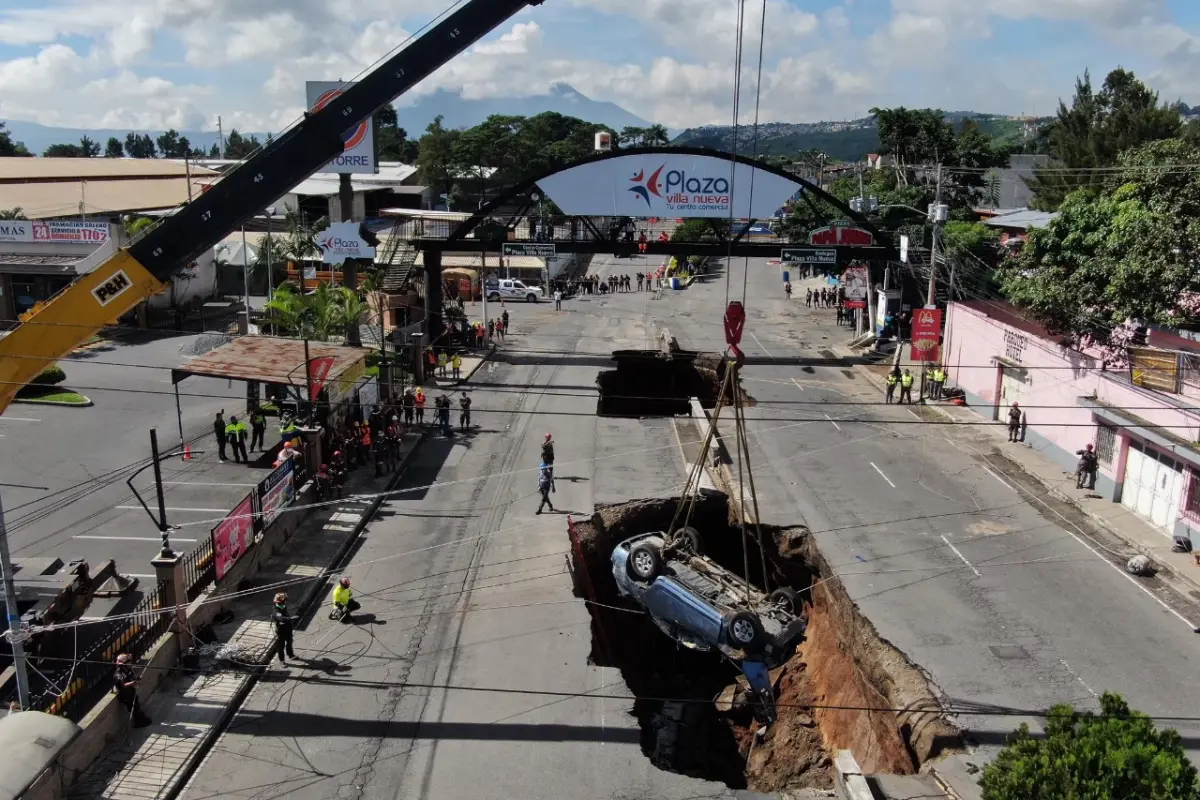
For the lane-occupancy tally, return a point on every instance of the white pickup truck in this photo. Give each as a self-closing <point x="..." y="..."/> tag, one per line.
<point x="513" y="290"/>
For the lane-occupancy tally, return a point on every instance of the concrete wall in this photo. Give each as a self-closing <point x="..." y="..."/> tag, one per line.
<point x="1054" y="380"/>
<point x="191" y="285"/>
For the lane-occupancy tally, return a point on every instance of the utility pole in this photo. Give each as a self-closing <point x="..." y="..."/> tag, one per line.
<point x="163" y="527"/>
<point x="350" y="265"/>
<point x="937" y="214"/>
<point x="221" y="137"/>
<point x="14" y="618"/>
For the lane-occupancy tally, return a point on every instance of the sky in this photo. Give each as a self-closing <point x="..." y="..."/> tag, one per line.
<point x="155" y="64"/>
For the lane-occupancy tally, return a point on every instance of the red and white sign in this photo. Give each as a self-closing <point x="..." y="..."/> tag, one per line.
<point x="926" y="334"/>
<point x="318" y="373"/>
<point x="856" y="283"/>
<point x="359" y="153"/>
<point x="40" y="231"/>
<point x="837" y="234"/>
<point x="233" y="536"/>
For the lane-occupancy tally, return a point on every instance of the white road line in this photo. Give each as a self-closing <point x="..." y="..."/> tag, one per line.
<point x="798" y="386"/>
<point x="1003" y="482"/>
<point x="915" y="414"/>
<point x="760" y="344"/>
<point x="1075" y="675"/>
<point x="960" y="555"/>
<point x="885" y="477"/>
<point x="202" y="483"/>
<point x="180" y="508"/>
<point x="18" y="419"/>
<point x="839" y="427"/>
<point x="137" y="575"/>
<point x="133" y="538"/>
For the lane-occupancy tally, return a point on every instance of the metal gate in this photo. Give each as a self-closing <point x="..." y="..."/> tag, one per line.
<point x="1153" y="484"/>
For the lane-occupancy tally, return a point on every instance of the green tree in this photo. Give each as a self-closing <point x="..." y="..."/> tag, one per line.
<point x="214" y="151"/>
<point x="63" y="151"/>
<point x="135" y="225"/>
<point x="657" y="136"/>
<point x="238" y="146"/>
<point x="319" y="314"/>
<point x="139" y="146"/>
<point x="114" y="149"/>
<point x="392" y="140"/>
<point x="1095" y="129"/>
<point x="493" y="149"/>
<point x="436" y="162"/>
<point x="9" y="148"/>
<point x="1115" y="754"/>
<point x="13" y="213"/>
<point x="632" y="136"/>
<point x="299" y="237"/>
<point x="1119" y="253"/>
<point x="89" y="148"/>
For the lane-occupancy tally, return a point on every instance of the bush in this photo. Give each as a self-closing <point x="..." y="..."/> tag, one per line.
<point x="50" y="376"/>
<point x="1116" y="754"/>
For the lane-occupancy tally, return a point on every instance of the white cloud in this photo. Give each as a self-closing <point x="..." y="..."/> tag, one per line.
<point x="53" y="67"/>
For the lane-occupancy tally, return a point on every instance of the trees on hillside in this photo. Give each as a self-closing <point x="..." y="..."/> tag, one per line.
<point x="139" y="146"/>
<point x="238" y="146"/>
<point x="391" y="140"/>
<point x="8" y="147"/>
<point x="1095" y="129"/>
<point x="85" y="149"/>
<point x="113" y="148"/>
<point x="650" y="136"/>
<point x="1122" y="251"/>
<point x="1117" y="753"/>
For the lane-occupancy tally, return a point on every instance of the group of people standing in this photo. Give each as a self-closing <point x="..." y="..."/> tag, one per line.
<point x="232" y="434"/>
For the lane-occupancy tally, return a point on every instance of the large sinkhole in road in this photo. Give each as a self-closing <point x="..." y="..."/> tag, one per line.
<point x="842" y="663"/>
<point x="649" y="383"/>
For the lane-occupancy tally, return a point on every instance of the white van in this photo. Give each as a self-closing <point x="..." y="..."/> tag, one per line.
<point x="513" y="290"/>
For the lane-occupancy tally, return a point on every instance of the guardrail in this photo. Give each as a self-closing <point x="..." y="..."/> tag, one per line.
<point x="199" y="570"/>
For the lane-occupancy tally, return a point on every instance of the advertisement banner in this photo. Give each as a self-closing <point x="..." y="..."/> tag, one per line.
<point x="843" y="235"/>
<point x="359" y="155"/>
<point x="276" y="492"/>
<point x="318" y="370"/>
<point x="926" y="334"/>
<point x="343" y="240"/>
<point x="856" y="283"/>
<point x="51" y="231"/>
<point x="233" y="536"/>
<point x="668" y="185"/>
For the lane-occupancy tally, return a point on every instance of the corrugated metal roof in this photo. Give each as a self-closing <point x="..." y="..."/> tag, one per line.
<point x="273" y="360"/>
<point x="33" y="169"/>
<point x="64" y="198"/>
<point x="25" y="259"/>
<point x="1022" y="220"/>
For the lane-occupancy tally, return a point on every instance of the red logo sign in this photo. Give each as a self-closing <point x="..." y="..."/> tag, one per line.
<point x="352" y="138"/>
<point x="926" y="334"/>
<point x="836" y="234"/>
<point x="318" y="372"/>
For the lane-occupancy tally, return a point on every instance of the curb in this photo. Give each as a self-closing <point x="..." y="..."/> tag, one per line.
<point x="61" y="404"/>
<point x="304" y="607"/>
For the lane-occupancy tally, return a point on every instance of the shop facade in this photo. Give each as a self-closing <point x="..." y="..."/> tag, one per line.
<point x="38" y="258"/>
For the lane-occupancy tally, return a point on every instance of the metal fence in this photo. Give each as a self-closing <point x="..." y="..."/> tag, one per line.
<point x="72" y="693"/>
<point x="199" y="570"/>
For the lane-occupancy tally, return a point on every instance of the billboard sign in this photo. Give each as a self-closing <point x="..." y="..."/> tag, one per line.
<point x="38" y="231"/>
<point x="534" y="249"/>
<point x="926" y="334"/>
<point x="318" y="370"/>
<point x="276" y="492"/>
<point x="843" y="235"/>
<point x="233" y="536"/>
<point x="343" y="240"/>
<point x="821" y="256"/>
<point x="359" y="155"/>
<point x="856" y="283"/>
<point x="668" y="185"/>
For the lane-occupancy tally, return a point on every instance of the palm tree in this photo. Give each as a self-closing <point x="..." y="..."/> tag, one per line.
<point x="318" y="315"/>
<point x="299" y="238"/>
<point x="657" y="135"/>
<point x="13" y="213"/>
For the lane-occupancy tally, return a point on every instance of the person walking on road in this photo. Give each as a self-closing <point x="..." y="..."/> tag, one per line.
<point x="504" y="319"/>
<point x="464" y="414"/>
<point x="557" y="300"/>
<point x="258" y="429"/>
<point x="548" y="452"/>
<point x="906" y="384"/>
<point x="284" y="622"/>
<point x="545" y="486"/>
<point x="1015" y="418"/>
<point x="219" y="432"/>
<point x="125" y="681"/>
<point x="235" y="432"/>
<point x="893" y="378"/>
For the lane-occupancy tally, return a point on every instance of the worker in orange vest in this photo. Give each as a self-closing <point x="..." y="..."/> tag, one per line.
<point x="420" y="403"/>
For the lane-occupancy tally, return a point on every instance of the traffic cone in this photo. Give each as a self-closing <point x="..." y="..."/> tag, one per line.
<point x="187" y="452"/>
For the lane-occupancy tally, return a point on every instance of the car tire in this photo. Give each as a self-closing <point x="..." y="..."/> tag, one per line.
<point x="531" y="298"/>
<point x="745" y="631"/>
<point x="689" y="541"/>
<point x="787" y="598"/>
<point x="644" y="563"/>
<point x="494" y="296"/>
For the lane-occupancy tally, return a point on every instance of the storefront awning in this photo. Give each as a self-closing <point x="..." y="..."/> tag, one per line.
<point x="1161" y="438"/>
<point x="27" y="264"/>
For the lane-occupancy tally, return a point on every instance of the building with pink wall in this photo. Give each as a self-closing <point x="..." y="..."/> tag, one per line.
<point x="1147" y="440"/>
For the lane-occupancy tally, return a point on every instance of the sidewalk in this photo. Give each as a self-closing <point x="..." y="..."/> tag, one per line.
<point x="470" y="366"/>
<point x="190" y="708"/>
<point x="1112" y="517"/>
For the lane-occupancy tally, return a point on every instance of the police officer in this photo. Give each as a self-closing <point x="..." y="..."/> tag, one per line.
<point x="258" y="429"/>
<point x="219" y="432"/>
<point x="287" y="429"/>
<point x="125" y="681"/>
<point x="284" y="623"/>
<point x="235" y="432"/>
<point x="906" y="384"/>
<point x="1015" y="417"/>
<point x="892" y="380"/>
<point x="937" y="382"/>
<point x="1085" y="471"/>
<point x="464" y="414"/>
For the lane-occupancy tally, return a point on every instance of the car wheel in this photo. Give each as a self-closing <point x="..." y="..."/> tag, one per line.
<point x="531" y="298"/>
<point x="645" y="562"/>
<point x="494" y="296"/>
<point x="745" y="630"/>
<point x="787" y="599"/>
<point x="688" y="540"/>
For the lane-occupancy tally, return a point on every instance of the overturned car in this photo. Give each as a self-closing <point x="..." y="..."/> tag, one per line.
<point x="702" y="605"/>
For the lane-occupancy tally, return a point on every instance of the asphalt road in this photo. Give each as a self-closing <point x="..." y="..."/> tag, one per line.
<point x="1001" y="602"/>
<point x="464" y="586"/>
<point x="64" y="469"/>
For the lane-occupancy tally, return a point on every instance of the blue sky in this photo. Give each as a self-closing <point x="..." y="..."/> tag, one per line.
<point x="181" y="63"/>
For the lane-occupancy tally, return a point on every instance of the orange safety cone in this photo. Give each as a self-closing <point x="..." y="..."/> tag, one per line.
<point x="187" y="452"/>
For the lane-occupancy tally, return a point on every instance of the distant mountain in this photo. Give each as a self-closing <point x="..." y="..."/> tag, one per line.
<point x="846" y="141"/>
<point x="458" y="112"/>
<point x="38" y="137"/>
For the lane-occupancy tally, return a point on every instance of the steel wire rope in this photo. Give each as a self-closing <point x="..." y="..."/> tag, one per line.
<point x="733" y="162"/>
<point x="762" y="36"/>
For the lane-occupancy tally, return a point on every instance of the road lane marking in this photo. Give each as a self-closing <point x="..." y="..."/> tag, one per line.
<point x="915" y="414"/>
<point x="760" y="344"/>
<point x="1075" y="675"/>
<point x="1003" y="482"/>
<point x="202" y="483"/>
<point x="960" y="555"/>
<point x="137" y="575"/>
<point x="839" y="427"/>
<point x="180" y="508"/>
<point x="18" y="419"/>
<point x="133" y="538"/>
<point x="885" y="477"/>
<point x="798" y="386"/>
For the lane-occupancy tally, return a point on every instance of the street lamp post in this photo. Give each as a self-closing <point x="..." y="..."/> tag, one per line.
<point x="270" y="245"/>
<point x="246" y="277"/>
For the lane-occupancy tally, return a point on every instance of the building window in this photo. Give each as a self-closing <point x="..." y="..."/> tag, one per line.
<point x="1191" y="504"/>
<point x="1106" y="444"/>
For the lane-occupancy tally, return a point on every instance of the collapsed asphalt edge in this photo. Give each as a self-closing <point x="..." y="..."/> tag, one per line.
<point x="306" y="605"/>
